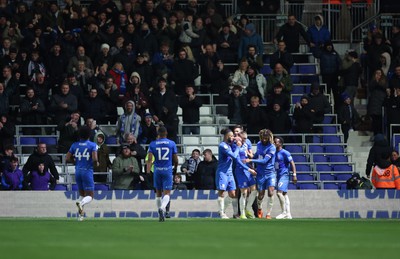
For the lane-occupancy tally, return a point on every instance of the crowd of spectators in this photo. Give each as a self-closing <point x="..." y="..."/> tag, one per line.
<point x="151" y="57"/>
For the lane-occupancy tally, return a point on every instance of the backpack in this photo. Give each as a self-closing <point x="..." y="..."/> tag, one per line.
<point x="357" y="182"/>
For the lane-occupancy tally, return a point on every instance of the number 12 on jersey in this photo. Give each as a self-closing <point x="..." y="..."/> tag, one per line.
<point x="162" y="153"/>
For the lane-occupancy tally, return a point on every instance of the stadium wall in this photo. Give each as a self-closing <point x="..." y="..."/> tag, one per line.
<point x="141" y="204"/>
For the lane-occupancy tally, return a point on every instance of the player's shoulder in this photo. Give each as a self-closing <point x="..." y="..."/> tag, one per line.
<point x="224" y="145"/>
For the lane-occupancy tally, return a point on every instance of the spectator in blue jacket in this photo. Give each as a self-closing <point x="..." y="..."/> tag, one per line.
<point x="250" y="37"/>
<point x="318" y="35"/>
<point x="12" y="177"/>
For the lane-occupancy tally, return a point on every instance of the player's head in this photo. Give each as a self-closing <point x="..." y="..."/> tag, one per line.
<point x="278" y="141"/>
<point x="162" y="132"/>
<point x="228" y="135"/>
<point x="266" y="136"/>
<point x="84" y="132"/>
<point x="237" y="129"/>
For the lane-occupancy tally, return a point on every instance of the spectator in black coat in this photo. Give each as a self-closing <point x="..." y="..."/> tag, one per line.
<point x="279" y="120"/>
<point x="56" y="64"/>
<point x="256" y="118"/>
<point x="32" y="112"/>
<point x="190" y="104"/>
<point x="237" y="106"/>
<point x="68" y="132"/>
<point x="183" y="72"/>
<point x="204" y="176"/>
<point x="94" y="107"/>
<point x="40" y="155"/>
<point x="395" y="80"/>
<point x="278" y="96"/>
<point x="7" y="131"/>
<point x="319" y="103"/>
<point x="377" y="93"/>
<point x="330" y="63"/>
<point x="304" y="116"/>
<point x="63" y="104"/>
<point x="347" y="116"/>
<point x="149" y="130"/>
<point x="374" y="52"/>
<point x="227" y="44"/>
<point x="392" y="105"/>
<point x="146" y="42"/>
<point x="380" y="147"/>
<point x="350" y="72"/>
<point x="290" y="33"/>
<point x="282" y="56"/>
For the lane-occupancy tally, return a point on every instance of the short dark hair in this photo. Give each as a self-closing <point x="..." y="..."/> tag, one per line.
<point x="162" y="131"/>
<point x="280" y="140"/>
<point x="84" y="132"/>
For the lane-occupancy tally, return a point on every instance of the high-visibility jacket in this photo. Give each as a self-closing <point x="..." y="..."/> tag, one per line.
<point x="386" y="178"/>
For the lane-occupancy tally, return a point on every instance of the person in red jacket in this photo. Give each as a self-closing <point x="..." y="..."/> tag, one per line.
<point x="386" y="175"/>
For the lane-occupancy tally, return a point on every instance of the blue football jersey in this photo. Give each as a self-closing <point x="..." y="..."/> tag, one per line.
<point x="265" y="158"/>
<point x="282" y="162"/>
<point x="162" y="150"/>
<point x="82" y="151"/>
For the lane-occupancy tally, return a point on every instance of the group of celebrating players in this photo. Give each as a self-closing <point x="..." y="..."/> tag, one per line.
<point x="234" y="167"/>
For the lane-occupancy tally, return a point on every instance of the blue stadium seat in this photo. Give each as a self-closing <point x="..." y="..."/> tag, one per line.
<point x="334" y="149"/>
<point x="327" y="177"/>
<point x="266" y="70"/>
<point x="307" y="69"/>
<point x="305" y="177"/>
<point x="343" y="177"/>
<point x="111" y="140"/>
<point x="342" y="168"/>
<point x="309" y="79"/>
<point x="323" y="167"/>
<point x="293" y="70"/>
<point x="295" y="79"/>
<point x="316" y="139"/>
<point x="28" y="140"/>
<point x="48" y="140"/>
<point x="320" y="158"/>
<point x="327" y="119"/>
<point x="316" y="149"/>
<point x="329" y="129"/>
<point x="298" y="89"/>
<point x="331" y="186"/>
<point x="295" y="98"/>
<point x="338" y="158"/>
<point x="299" y="158"/>
<point x="294" y="148"/>
<point x="308" y="186"/>
<point x="331" y="139"/>
<point x="60" y="187"/>
<point x="303" y="167"/>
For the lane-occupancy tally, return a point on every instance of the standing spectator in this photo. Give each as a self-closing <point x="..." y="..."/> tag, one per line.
<point x="304" y="116"/>
<point x="386" y="175"/>
<point x="4" y="99"/>
<point x="319" y="103"/>
<point x="392" y="105"/>
<point x="104" y="56"/>
<point x="256" y="118"/>
<point x="40" y="179"/>
<point x="257" y="83"/>
<point x="177" y="185"/>
<point x="149" y="131"/>
<point x="394" y="42"/>
<point x="183" y="73"/>
<point x="103" y="155"/>
<point x="227" y="44"/>
<point x="198" y="44"/>
<point x="279" y="75"/>
<point x="125" y="170"/>
<point x="68" y="132"/>
<point x="5" y="157"/>
<point x="40" y="155"/>
<point x="377" y="93"/>
<point x="278" y="96"/>
<point x="282" y="56"/>
<point x="137" y="151"/>
<point x="12" y="178"/>
<point x="395" y="80"/>
<point x="94" y="107"/>
<point x="290" y="33"/>
<point x="145" y="71"/>
<point x="204" y="176"/>
<point x="147" y="42"/>
<point x="136" y="94"/>
<point x="11" y="85"/>
<point x="189" y="167"/>
<point x="350" y="72"/>
<point x="32" y="112"/>
<point x="386" y="64"/>
<point x="347" y="116"/>
<point x="187" y="34"/>
<point x="7" y="131"/>
<point x="110" y="97"/>
<point x="374" y="52"/>
<point x="318" y="35"/>
<point x="63" y="104"/>
<point x="330" y="63"/>
<point x="118" y="73"/>
<point x="395" y="159"/>
<point x="127" y="56"/>
<point x="379" y="147"/>
<point x="279" y="120"/>
<point x="190" y="104"/>
<point x="129" y="122"/>
<point x="250" y="37"/>
<point x="237" y="106"/>
<point x="213" y="21"/>
<point x="240" y="77"/>
<point x="164" y="58"/>
<point x="171" y="32"/>
<point x="209" y="68"/>
<point x="56" y="63"/>
<point x="42" y="89"/>
<point x="80" y="56"/>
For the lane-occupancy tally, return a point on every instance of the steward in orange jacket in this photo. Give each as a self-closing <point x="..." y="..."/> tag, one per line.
<point x="386" y="178"/>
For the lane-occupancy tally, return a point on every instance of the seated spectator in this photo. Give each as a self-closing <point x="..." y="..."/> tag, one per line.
<point x="347" y="116"/>
<point x="204" y="177"/>
<point x="12" y="178"/>
<point x="189" y="167"/>
<point x="282" y="56"/>
<point x="32" y="113"/>
<point x="68" y="132"/>
<point x="149" y="130"/>
<point x="7" y="131"/>
<point x="279" y="120"/>
<point x="80" y="56"/>
<point x="137" y="151"/>
<point x="257" y="83"/>
<point x="190" y="104"/>
<point x="63" y="104"/>
<point x="318" y="34"/>
<point x="227" y="44"/>
<point x="386" y="175"/>
<point x="40" y="179"/>
<point x="125" y="170"/>
<point x="278" y="97"/>
<point x="178" y="185"/>
<point x="279" y="74"/>
<point x="104" y="56"/>
<point x="127" y="56"/>
<point x="84" y="76"/>
<point x="94" y="107"/>
<point x="250" y="37"/>
<point x="395" y="80"/>
<point x="319" y="103"/>
<point x="256" y="118"/>
<point x="103" y="156"/>
<point x="290" y="33"/>
<point x="129" y="122"/>
<point x="237" y="106"/>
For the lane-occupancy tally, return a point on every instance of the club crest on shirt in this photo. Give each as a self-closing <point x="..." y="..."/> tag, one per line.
<point x="225" y="146"/>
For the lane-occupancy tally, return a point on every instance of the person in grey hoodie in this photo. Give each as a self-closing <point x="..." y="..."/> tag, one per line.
<point x="129" y="122"/>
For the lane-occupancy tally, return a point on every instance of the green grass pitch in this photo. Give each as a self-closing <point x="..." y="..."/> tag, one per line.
<point x="198" y="238"/>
